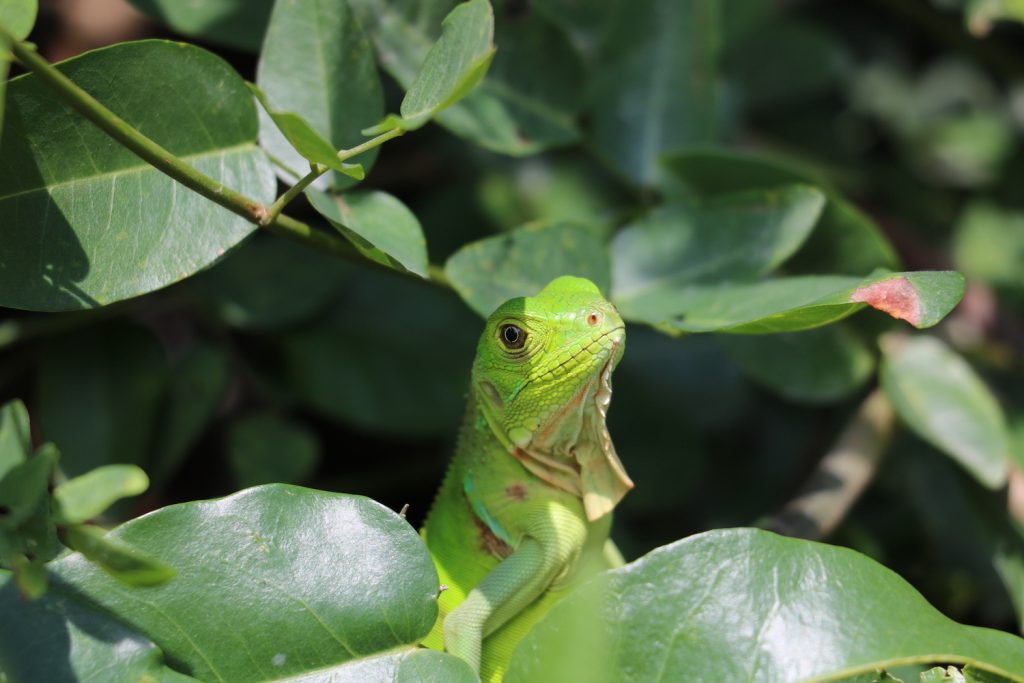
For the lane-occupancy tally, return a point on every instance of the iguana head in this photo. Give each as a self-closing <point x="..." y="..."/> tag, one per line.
<point x="542" y="379"/>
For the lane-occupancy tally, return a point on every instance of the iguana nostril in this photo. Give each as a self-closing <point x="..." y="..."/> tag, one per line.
<point x="593" y="318"/>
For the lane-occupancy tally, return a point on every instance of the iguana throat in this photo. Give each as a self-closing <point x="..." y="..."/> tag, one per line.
<point x="542" y="382"/>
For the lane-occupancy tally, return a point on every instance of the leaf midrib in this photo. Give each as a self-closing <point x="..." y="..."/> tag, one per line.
<point x="221" y="151"/>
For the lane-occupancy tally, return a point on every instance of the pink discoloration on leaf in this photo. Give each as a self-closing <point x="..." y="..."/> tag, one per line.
<point x="895" y="296"/>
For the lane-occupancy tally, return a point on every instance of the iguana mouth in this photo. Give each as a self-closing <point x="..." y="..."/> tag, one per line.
<point x="548" y="372"/>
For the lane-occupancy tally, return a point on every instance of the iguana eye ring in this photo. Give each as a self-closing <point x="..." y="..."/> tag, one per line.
<point x="512" y="336"/>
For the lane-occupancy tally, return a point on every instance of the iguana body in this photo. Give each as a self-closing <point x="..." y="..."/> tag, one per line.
<point x="524" y="512"/>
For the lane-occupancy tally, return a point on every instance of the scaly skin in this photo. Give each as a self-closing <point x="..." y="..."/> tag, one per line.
<point x="524" y="512"/>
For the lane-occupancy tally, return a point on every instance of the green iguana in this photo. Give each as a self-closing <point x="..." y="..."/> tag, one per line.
<point x="524" y="512"/>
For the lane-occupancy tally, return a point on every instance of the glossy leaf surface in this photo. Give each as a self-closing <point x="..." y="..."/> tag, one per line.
<point x="85" y="221"/>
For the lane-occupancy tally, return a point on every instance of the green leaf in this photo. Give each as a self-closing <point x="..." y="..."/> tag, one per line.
<point x="15" y="436"/>
<point x="521" y="262"/>
<point x="357" y="364"/>
<point x="17" y="17"/>
<point x="532" y="91"/>
<point x="57" y="639"/>
<point x="269" y="283"/>
<point x="735" y="236"/>
<point x="125" y="563"/>
<point x="654" y="87"/>
<point x="306" y="141"/>
<point x="786" y="61"/>
<point x="817" y="366"/>
<point x="453" y="67"/>
<point x="344" y="578"/>
<point x="989" y="245"/>
<point x="24" y="486"/>
<point x="845" y="241"/>
<point x="196" y="385"/>
<point x="321" y="88"/>
<point x="944" y="401"/>
<point x="238" y="24"/>
<point x="87" y="222"/>
<point x="87" y="496"/>
<point x="266" y="448"/>
<point x="16" y="20"/>
<point x="744" y="604"/>
<point x="791" y="304"/>
<point x="97" y="394"/>
<point x="381" y="227"/>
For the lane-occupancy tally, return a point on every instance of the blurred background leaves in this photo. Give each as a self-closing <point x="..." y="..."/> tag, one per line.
<point x="279" y="363"/>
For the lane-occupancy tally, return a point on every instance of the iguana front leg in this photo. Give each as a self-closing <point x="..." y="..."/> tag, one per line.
<point x="552" y="544"/>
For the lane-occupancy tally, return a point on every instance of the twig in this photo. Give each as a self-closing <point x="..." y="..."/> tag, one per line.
<point x="841" y="476"/>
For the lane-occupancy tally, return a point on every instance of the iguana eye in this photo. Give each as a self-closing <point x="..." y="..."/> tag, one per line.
<point x="512" y="336"/>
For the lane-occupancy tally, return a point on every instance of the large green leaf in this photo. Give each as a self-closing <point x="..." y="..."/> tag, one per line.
<point x="98" y="396"/>
<point x="234" y="23"/>
<point x="381" y="227"/>
<point x="86" y="222"/>
<point x="791" y="304"/>
<point x="744" y="604"/>
<point x="734" y="237"/>
<point x="341" y="578"/>
<point x="816" y="366"/>
<point x="944" y="401"/>
<point x="317" y="69"/>
<point x="531" y="93"/>
<point x="521" y="262"/>
<point x="654" y="87"/>
<point x="92" y="646"/>
<point x="393" y="357"/>
<point x="267" y="448"/>
<point x="453" y="66"/>
<point x="846" y="241"/>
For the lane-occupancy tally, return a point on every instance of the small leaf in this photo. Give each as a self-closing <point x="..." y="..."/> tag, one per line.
<point x="816" y="366"/>
<point x="344" y="579"/>
<point x="305" y="140"/>
<point x="88" y="495"/>
<point x="791" y="304"/>
<point x="24" y="486"/>
<point x="944" y="401"/>
<point x="115" y="226"/>
<point x="381" y="227"/>
<point x="735" y="236"/>
<point x="30" y="577"/>
<point x="267" y="448"/>
<point x="453" y="67"/>
<point x="521" y="262"/>
<point x="318" y="82"/>
<point x="15" y="437"/>
<point x="238" y="24"/>
<point x="17" y="17"/>
<point x="127" y="564"/>
<point x="734" y="605"/>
